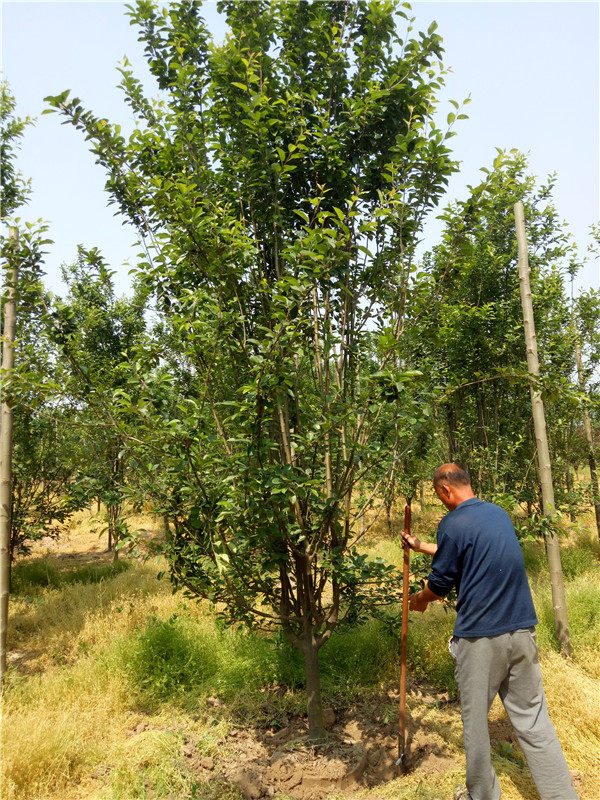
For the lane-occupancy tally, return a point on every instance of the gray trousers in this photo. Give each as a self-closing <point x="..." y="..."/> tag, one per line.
<point x="507" y="665"/>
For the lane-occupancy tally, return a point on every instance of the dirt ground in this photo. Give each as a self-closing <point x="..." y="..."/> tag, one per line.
<point x="360" y="752"/>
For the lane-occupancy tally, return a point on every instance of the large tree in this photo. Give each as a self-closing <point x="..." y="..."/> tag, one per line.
<point x="279" y="185"/>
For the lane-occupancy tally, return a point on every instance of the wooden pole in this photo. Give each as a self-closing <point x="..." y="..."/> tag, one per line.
<point x="589" y="439"/>
<point x="402" y="756"/>
<point x="6" y="445"/>
<point x="561" y="622"/>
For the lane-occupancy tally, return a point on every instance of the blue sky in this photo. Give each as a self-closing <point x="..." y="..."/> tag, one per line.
<point x="531" y="68"/>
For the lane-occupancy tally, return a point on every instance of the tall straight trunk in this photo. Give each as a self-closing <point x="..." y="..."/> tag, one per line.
<point x="422" y="495"/>
<point x="569" y="485"/>
<point x="587" y="425"/>
<point x="561" y="622"/>
<point x="316" y="726"/>
<point x="6" y="447"/>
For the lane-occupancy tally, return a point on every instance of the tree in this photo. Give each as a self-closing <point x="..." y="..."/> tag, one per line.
<point x="468" y="317"/>
<point x="95" y="331"/>
<point x="279" y="186"/>
<point x="559" y="602"/>
<point x="14" y="188"/>
<point x="13" y="193"/>
<point x="587" y="349"/>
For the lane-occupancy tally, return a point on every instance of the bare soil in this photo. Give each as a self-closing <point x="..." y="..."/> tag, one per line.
<point x="360" y="752"/>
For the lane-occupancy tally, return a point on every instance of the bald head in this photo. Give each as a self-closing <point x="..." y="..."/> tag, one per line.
<point x="451" y="474"/>
<point x="452" y="485"/>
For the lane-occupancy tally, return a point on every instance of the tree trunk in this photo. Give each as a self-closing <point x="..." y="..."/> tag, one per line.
<point x="422" y="495"/>
<point x="6" y="448"/>
<point x="316" y="726"/>
<point x="113" y="534"/>
<point x="561" y="622"/>
<point x="569" y="485"/>
<point x="451" y="420"/>
<point x="590" y="441"/>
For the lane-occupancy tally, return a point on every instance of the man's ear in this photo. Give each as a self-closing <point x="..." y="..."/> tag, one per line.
<point x="446" y="490"/>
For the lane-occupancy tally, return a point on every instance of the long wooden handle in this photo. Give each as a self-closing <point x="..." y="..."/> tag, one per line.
<point x="404" y="640"/>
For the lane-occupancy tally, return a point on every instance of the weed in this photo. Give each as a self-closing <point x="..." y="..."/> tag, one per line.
<point x="167" y="659"/>
<point x="216" y="790"/>
<point x="149" y="767"/>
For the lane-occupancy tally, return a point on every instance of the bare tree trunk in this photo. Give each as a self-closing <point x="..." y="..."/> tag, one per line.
<point x="422" y="495"/>
<point x="316" y="726"/>
<point x="113" y="534"/>
<point x="569" y="485"/>
<point x="561" y="622"/>
<point x="590" y="440"/>
<point x="6" y="447"/>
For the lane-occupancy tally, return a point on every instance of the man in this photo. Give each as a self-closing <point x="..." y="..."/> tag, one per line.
<point x="494" y="643"/>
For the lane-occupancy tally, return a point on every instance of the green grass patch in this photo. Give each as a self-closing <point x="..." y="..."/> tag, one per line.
<point x="29" y="577"/>
<point x="428" y="654"/>
<point x="363" y="656"/>
<point x="180" y="659"/>
<point x="583" y="609"/>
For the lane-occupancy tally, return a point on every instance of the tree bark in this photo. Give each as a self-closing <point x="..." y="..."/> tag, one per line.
<point x="113" y="533"/>
<point x="587" y="425"/>
<point x="6" y="448"/>
<point x="561" y="622"/>
<point x="422" y="495"/>
<point x="316" y="726"/>
<point x="569" y="485"/>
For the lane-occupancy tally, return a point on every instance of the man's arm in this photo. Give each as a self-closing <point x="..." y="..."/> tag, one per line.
<point x="420" y="600"/>
<point x="443" y="574"/>
<point x="418" y="546"/>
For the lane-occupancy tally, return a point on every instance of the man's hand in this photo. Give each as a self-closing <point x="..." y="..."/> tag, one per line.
<point x="413" y="542"/>
<point x="417" y="602"/>
<point x="417" y="545"/>
<point x="420" y="600"/>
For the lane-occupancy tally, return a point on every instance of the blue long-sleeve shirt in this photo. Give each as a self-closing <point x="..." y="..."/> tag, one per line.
<point x="479" y="554"/>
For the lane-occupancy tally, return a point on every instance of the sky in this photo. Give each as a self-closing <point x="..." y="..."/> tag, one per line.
<point x="532" y="70"/>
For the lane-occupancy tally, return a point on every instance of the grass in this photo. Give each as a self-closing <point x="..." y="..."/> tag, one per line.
<point x="29" y="577"/>
<point x="105" y="649"/>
